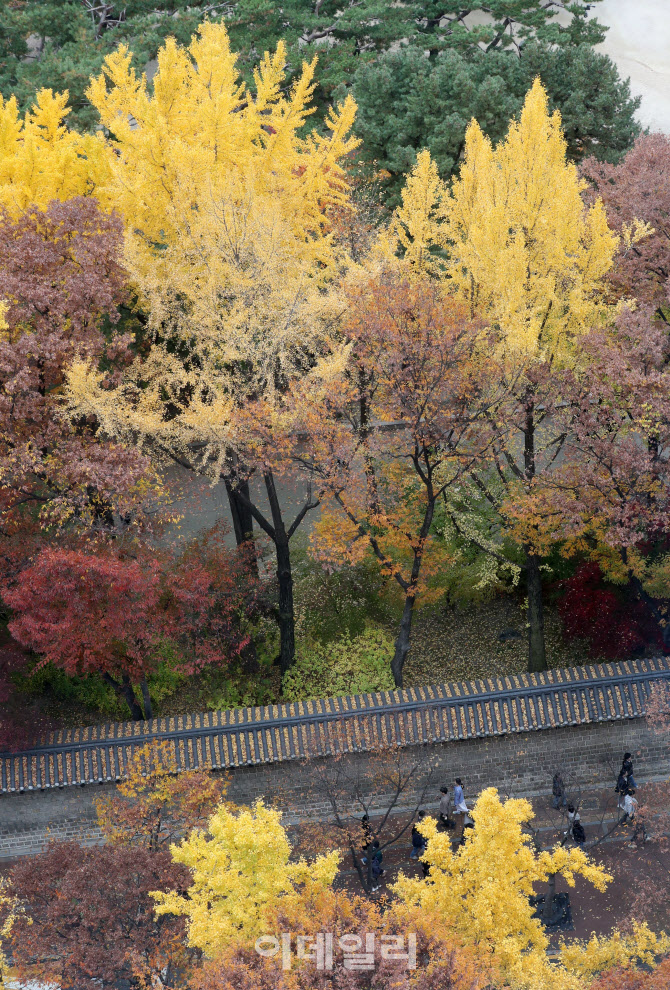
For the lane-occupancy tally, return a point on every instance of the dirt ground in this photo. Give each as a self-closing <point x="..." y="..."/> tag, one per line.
<point x="462" y="642"/>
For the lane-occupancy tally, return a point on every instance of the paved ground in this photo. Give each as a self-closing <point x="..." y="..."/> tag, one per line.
<point x="639" y="42"/>
<point x="607" y="843"/>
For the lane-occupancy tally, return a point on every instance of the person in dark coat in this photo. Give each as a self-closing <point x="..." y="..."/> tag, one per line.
<point x="558" y="792"/>
<point x="627" y="771"/>
<point x="418" y="841"/>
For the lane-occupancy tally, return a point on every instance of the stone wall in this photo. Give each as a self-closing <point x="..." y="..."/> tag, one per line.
<point x="588" y="755"/>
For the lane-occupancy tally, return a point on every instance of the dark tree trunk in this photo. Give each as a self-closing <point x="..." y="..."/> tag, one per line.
<point x="239" y="500"/>
<point x="537" y="659"/>
<point x="125" y="690"/>
<point x="548" y="907"/>
<point x="402" y="642"/>
<point x="285" y="613"/>
<point x="146" y="697"/>
<point x="243" y="521"/>
<point x="285" y="617"/>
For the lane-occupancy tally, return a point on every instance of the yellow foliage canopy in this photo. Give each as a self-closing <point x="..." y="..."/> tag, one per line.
<point x="521" y="246"/>
<point x="241" y="872"/>
<point x="482" y="889"/>
<point x="228" y="238"/>
<point x="41" y="160"/>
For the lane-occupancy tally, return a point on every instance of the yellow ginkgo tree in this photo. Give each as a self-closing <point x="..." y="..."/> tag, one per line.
<point x="483" y="889"/>
<point x="513" y="238"/>
<point x="41" y="160"/>
<point x="241" y="873"/>
<point x="226" y="200"/>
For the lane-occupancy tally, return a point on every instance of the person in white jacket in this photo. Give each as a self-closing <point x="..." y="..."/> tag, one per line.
<point x="459" y="798"/>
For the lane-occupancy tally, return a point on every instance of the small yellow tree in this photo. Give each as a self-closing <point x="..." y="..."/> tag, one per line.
<point x="417" y="226"/>
<point x="526" y="254"/>
<point x="7" y="908"/>
<point x="241" y="872"/>
<point x="41" y="160"/>
<point x="483" y="888"/>
<point x="157" y="803"/>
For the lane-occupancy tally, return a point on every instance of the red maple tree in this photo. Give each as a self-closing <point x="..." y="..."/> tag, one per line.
<point x="60" y="280"/>
<point x="638" y="188"/>
<point x="107" y="610"/>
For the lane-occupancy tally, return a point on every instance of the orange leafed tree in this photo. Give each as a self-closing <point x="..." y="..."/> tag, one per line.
<point x="154" y="804"/>
<point x="396" y="430"/>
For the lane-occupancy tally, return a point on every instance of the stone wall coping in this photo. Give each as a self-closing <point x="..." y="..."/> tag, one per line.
<point x="329" y="726"/>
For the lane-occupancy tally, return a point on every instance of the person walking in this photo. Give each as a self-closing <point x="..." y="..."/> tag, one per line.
<point x="460" y="806"/>
<point x="377" y="870"/>
<point x="418" y="841"/>
<point x="627" y="770"/>
<point x="630" y="804"/>
<point x="578" y="833"/>
<point x="574" y="822"/>
<point x="445" y="808"/>
<point x="558" y="792"/>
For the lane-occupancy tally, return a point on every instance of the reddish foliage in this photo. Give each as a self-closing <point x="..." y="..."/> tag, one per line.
<point x="89" y="919"/>
<point x="442" y="963"/>
<point x="411" y="363"/>
<point x="593" y="609"/>
<point x="638" y="188"/>
<point x="635" y="979"/>
<point x="86" y="612"/>
<point x="619" y="430"/>
<point x="106" y="611"/>
<point x="60" y="273"/>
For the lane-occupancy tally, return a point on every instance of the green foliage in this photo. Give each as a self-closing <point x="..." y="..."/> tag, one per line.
<point x="232" y="687"/>
<point x="329" y="604"/>
<point x="90" y="693"/>
<point x="342" y="667"/>
<point x="93" y="694"/>
<point x="407" y="102"/>
<point x="59" y="44"/>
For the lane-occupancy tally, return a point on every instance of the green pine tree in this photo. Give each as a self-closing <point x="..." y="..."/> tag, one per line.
<point x="407" y="101"/>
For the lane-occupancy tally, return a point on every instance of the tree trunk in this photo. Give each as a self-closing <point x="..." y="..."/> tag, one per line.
<point x="146" y="697"/>
<point x="243" y="521"/>
<point x="125" y="690"/>
<point x="285" y="612"/>
<point x="537" y="659"/>
<point x="548" y="909"/>
<point x="402" y="642"/>
<point x="285" y="617"/>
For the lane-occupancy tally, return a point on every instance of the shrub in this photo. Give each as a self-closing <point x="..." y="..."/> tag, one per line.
<point x="330" y="604"/>
<point x="344" y="666"/>
<point x="608" y="617"/>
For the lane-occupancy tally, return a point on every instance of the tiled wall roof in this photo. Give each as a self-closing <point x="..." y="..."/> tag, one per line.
<point x="246" y="736"/>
